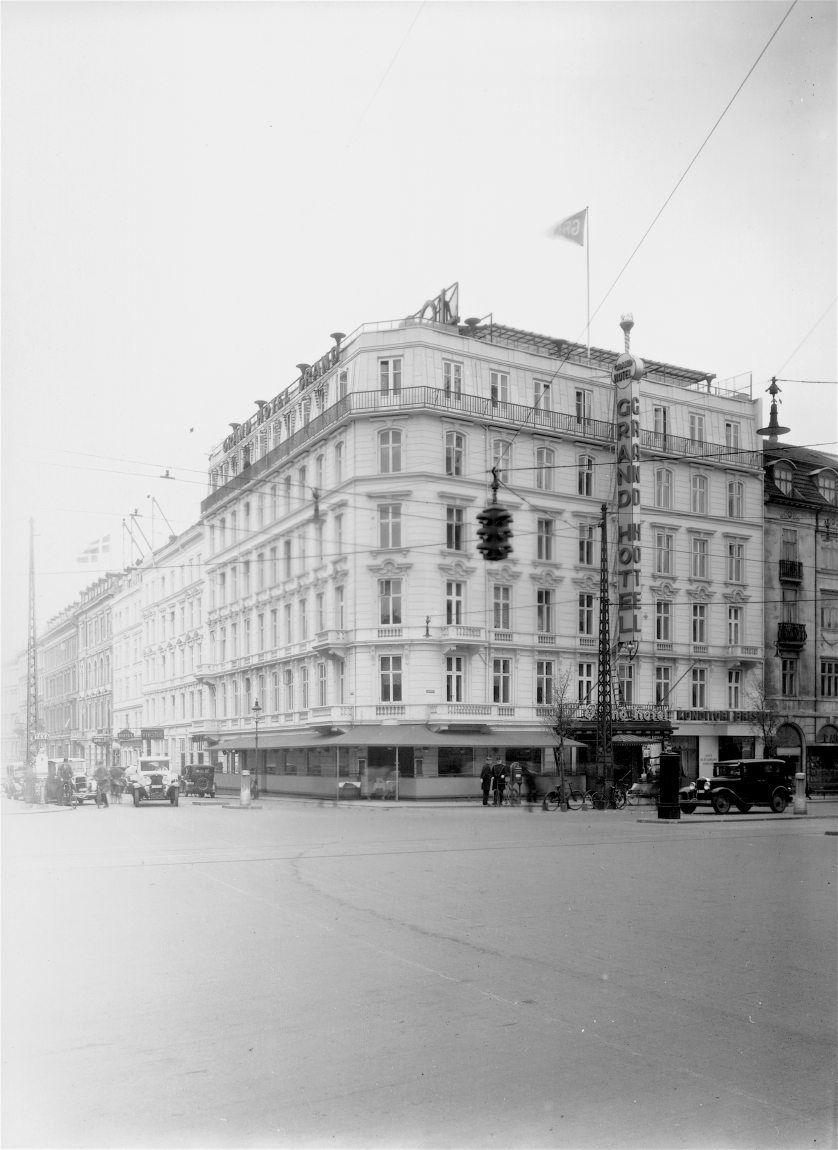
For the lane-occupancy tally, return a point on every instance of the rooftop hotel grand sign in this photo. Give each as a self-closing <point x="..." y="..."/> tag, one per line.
<point x="626" y="375"/>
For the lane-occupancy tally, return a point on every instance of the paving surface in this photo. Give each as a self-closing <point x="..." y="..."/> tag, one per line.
<point x="368" y="975"/>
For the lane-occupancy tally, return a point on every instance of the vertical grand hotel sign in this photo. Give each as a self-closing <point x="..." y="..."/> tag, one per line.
<point x="626" y="375"/>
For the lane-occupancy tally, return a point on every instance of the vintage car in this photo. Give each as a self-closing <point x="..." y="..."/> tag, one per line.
<point x="746" y="783"/>
<point x="153" y="781"/>
<point x="198" y="779"/>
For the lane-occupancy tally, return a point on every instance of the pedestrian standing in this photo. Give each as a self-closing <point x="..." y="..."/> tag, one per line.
<point x="503" y="779"/>
<point x="486" y="781"/>
<point x="529" y="783"/>
<point x="102" y="782"/>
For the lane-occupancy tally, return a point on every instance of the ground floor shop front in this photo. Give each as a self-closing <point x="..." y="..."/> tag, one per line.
<point x="407" y="761"/>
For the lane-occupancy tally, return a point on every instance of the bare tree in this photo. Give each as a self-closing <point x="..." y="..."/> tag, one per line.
<point x="765" y="717"/>
<point x="560" y="718"/>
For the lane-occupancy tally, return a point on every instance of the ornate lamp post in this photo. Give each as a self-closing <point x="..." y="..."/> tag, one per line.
<point x="257" y="711"/>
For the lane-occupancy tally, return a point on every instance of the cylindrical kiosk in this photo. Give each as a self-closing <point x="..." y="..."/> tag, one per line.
<point x="670" y="782"/>
<point x="800" y="793"/>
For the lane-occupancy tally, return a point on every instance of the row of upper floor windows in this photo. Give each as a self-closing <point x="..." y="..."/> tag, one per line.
<point x="295" y="686"/>
<point x="455" y="378"/>
<point x="551" y="542"/>
<point x="171" y="621"/>
<point x="158" y="582"/>
<point x="305" y="484"/>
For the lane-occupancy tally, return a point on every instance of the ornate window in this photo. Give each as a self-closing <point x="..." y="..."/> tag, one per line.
<point x="389" y="451"/>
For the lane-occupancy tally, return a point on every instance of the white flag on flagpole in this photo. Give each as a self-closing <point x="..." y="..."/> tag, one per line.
<point x="96" y="550"/>
<point x="572" y="228"/>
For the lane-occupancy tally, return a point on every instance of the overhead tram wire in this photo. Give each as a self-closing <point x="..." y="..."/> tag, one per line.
<point x="664" y="205"/>
<point x="817" y="322"/>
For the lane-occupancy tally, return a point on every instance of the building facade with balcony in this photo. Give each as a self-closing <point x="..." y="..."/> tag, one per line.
<point x="95" y="738"/>
<point x="801" y="606"/>
<point x="345" y="593"/>
<point x="58" y="695"/>
<point x="128" y="665"/>
<point x="173" y="649"/>
<point x="13" y="747"/>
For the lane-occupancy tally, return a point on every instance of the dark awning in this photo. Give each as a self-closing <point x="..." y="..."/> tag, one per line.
<point x="403" y="735"/>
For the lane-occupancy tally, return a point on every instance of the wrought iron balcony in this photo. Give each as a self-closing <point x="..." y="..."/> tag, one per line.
<point x="791" y="636"/>
<point x="791" y="571"/>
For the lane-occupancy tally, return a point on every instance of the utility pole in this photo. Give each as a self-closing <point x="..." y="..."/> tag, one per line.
<point x="604" y="707"/>
<point x="32" y="727"/>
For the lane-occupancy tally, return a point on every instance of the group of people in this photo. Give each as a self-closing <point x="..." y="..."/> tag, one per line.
<point x="496" y="777"/>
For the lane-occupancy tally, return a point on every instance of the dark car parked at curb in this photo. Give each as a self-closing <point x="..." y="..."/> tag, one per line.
<point x="746" y="783"/>
<point x="198" y="780"/>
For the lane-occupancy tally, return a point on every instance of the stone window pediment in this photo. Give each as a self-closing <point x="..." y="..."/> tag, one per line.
<point x="457" y="570"/>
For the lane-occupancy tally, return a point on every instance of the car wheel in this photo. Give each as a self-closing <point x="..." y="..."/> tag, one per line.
<point x="778" y="802"/>
<point x="721" y="804"/>
<point x="136" y="798"/>
<point x="688" y="808"/>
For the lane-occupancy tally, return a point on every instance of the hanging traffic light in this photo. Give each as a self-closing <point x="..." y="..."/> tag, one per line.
<point x="494" y="533"/>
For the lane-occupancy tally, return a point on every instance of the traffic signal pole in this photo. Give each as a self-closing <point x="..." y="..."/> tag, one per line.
<point x="604" y="702"/>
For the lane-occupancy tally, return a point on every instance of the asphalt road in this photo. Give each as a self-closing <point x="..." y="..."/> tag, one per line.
<point x="304" y="975"/>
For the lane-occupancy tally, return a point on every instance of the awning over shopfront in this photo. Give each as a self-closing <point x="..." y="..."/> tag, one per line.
<point x="404" y="735"/>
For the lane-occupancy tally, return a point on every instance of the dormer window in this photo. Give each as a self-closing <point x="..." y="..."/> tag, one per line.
<point x="828" y="486"/>
<point x="783" y="478"/>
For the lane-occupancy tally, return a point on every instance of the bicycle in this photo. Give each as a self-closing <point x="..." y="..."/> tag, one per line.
<point x="511" y="796"/>
<point x="600" y="798"/>
<point x="575" y="799"/>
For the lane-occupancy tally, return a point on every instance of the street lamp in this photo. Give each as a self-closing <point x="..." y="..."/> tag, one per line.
<point x="257" y="711"/>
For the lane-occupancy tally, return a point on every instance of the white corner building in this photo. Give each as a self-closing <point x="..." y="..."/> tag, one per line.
<point x="345" y="594"/>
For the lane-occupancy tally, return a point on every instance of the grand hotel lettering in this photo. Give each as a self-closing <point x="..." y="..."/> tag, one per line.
<point x="626" y="375"/>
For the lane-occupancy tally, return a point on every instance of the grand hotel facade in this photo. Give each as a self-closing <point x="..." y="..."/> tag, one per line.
<point x="344" y="593"/>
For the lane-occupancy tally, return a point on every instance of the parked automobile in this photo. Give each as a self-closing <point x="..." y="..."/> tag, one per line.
<point x="198" y="779"/>
<point x="153" y="781"/>
<point x="746" y="783"/>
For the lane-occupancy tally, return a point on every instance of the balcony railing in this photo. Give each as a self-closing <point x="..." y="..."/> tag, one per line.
<point x="791" y="571"/>
<point x="516" y="414"/>
<point x="791" y="636"/>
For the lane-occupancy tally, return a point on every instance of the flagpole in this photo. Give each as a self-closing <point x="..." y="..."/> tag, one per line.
<point x="588" y="262"/>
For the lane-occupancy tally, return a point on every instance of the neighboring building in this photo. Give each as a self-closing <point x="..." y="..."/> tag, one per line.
<point x="58" y="693"/>
<point x="128" y="663"/>
<point x="345" y="593"/>
<point x="95" y="644"/>
<point x="801" y="612"/>
<point x="14" y="711"/>
<point x="173" y="648"/>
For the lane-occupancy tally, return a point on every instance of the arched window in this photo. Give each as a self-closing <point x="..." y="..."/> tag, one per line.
<point x="828" y="486"/>
<point x="783" y="478"/>
<point x="502" y="456"/>
<point x="545" y="459"/>
<point x="585" y="475"/>
<point x="663" y="488"/>
<point x="698" y="495"/>
<point x="389" y="451"/>
<point x="735" y="499"/>
<point x="455" y="450"/>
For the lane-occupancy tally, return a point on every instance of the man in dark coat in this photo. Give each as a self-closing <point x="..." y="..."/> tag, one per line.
<point x="486" y="781"/>
<point x="103" y="781"/>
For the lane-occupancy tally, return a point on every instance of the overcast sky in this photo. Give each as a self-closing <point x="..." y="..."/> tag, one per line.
<point x="194" y="196"/>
